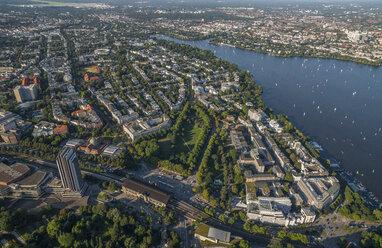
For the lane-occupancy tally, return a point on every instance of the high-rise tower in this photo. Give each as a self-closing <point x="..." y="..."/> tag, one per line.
<point x="69" y="169"/>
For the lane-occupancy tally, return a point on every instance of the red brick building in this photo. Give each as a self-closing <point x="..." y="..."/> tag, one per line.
<point x="26" y="81"/>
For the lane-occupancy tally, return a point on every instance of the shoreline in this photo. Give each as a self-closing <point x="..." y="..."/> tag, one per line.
<point x="350" y="177"/>
<point x="211" y="37"/>
<point x="341" y="58"/>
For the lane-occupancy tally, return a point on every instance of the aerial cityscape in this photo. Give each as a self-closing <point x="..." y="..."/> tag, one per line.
<point x="190" y="124"/>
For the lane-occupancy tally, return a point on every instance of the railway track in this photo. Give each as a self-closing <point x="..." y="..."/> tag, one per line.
<point x="191" y="212"/>
<point x="187" y="210"/>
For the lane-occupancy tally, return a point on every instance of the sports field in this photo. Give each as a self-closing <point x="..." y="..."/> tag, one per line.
<point x="92" y="69"/>
<point x="43" y="3"/>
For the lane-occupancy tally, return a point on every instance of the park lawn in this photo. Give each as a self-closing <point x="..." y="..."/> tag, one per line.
<point x="183" y="144"/>
<point x="195" y="132"/>
<point x="186" y="142"/>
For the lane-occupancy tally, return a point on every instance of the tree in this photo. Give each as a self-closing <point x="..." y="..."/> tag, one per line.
<point x="66" y="239"/>
<point x="206" y="194"/>
<point x="53" y="228"/>
<point x="244" y="244"/>
<point x="378" y="214"/>
<point x="5" y="221"/>
<point x="247" y="226"/>
<point x="223" y="218"/>
<point x="288" y="177"/>
<point x="130" y="242"/>
<point x="276" y="244"/>
<point x="231" y="221"/>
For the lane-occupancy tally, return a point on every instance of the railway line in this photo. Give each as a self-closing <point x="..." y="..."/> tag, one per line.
<point x="191" y="212"/>
<point x="187" y="210"/>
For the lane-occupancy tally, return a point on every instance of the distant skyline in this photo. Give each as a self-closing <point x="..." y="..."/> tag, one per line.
<point x="206" y="3"/>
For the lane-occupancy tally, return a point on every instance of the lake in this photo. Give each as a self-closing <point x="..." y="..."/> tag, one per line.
<point x="336" y="103"/>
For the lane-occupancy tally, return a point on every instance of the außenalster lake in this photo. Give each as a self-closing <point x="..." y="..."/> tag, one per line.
<point x="337" y="103"/>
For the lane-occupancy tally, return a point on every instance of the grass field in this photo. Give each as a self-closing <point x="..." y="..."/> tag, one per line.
<point x="62" y="4"/>
<point x="92" y="69"/>
<point x="195" y="131"/>
<point x="184" y="143"/>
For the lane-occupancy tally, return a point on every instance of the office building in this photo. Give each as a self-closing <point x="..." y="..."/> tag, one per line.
<point x="25" y="93"/>
<point x="69" y="169"/>
<point x="319" y="191"/>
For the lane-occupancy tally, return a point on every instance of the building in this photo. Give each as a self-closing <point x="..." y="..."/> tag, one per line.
<point x="246" y="159"/>
<point x="13" y="173"/>
<point x="6" y="72"/>
<point x="254" y="115"/>
<point x="69" y="169"/>
<point x="90" y="77"/>
<point x="102" y="51"/>
<point x="74" y="143"/>
<point x="12" y="126"/>
<point x="18" y="180"/>
<point x="26" y="81"/>
<point x="270" y="210"/>
<point x="143" y="127"/>
<point x="308" y="215"/>
<point x="25" y="93"/>
<point x="262" y="178"/>
<point x="45" y="128"/>
<point x="257" y="115"/>
<point x="238" y="140"/>
<point x="30" y="186"/>
<point x="93" y="146"/>
<point x="207" y="233"/>
<point x="319" y="191"/>
<point x="112" y="151"/>
<point x="11" y="137"/>
<point x="88" y="116"/>
<point x="278" y="171"/>
<point x="146" y="192"/>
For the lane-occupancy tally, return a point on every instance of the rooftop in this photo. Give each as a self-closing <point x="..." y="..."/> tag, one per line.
<point x="145" y="189"/>
<point x="9" y="174"/>
<point x="33" y="180"/>
<point x="220" y="235"/>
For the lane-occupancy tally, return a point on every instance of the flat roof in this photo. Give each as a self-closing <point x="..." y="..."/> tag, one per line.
<point x="33" y="180"/>
<point x="111" y="149"/>
<point x="148" y="190"/>
<point x="308" y="212"/>
<point x="8" y="174"/>
<point x="74" y="142"/>
<point x="55" y="183"/>
<point x="250" y="187"/>
<point x="264" y="175"/>
<point x="219" y="234"/>
<point x="202" y="230"/>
